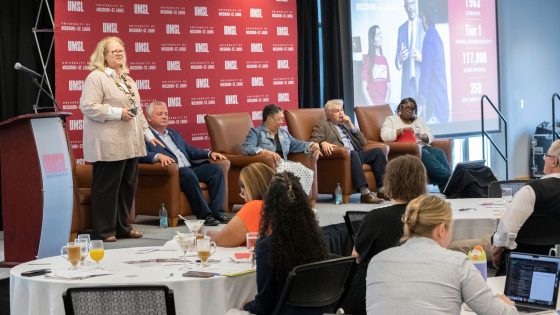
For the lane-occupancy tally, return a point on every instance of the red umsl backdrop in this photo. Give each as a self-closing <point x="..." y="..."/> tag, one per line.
<point x="200" y="57"/>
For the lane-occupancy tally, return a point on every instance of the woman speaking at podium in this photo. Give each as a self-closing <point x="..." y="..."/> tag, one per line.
<point x="113" y="139"/>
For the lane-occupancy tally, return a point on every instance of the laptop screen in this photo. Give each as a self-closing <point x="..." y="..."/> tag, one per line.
<point x="532" y="279"/>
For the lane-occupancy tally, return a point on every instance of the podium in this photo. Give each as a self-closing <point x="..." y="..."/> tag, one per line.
<point x="37" y="186"/>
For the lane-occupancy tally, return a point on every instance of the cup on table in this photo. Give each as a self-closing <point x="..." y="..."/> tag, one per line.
<point x="250" y="240"/>
<point x="72" y="253"/>
<point x="96" y="251"/>
<point x="204" y="249"/>
<point x="507" y="195"/>
<point x="84" y="249"/>
<point x="194" y="226"/>
<point x="554" y="251"/>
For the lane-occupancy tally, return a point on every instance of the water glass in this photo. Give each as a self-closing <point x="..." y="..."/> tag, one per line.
<point x="507" y="195"/>
<point x="186" y="241"/>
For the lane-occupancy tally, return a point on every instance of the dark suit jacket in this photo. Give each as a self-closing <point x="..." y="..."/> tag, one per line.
<point x="403" y="41"/>
<point x="325" y="130"/>
<point x="194" y="155"/>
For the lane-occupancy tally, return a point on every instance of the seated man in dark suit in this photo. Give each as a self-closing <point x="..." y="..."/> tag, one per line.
<point x="531" y="222"/>
<point x="338" y="130"/>
<point x="193" y="166"/>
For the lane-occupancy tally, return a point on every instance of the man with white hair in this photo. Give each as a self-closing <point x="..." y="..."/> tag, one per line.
<point x="531" y="222"/>
<point x="339" y="131"/>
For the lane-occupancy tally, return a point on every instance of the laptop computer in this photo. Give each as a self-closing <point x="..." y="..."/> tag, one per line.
<point x="532" y="282"/>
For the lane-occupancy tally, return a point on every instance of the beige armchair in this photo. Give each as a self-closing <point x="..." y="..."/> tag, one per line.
<point x="371" y="118"/>
<point x="336" y="167"/>
<point x="227" y="134"/>
<point x="157" y="185"/>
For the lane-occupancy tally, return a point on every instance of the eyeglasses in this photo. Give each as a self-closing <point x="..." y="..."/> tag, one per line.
<point x="117" y="52"/>
<point x="549" y="156"/>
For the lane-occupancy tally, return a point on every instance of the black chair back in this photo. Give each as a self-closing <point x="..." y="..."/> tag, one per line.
<point x="495" y="188"/>
<point x="353" y="220"/>
<point x="119" y="300"/>
<point x="316" y="284"/>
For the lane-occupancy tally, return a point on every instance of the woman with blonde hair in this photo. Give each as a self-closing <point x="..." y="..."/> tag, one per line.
<point x="113" y="139"/>
<point x="422" y="276"/>
<point x="254" y="180"/>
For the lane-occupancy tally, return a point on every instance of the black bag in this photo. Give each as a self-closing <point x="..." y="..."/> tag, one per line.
<point x="469" y="182"/>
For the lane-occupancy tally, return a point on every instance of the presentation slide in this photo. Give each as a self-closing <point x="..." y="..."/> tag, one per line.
<point x="441" y="53"/>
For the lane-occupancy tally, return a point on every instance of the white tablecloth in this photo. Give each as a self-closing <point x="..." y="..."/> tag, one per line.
<point x="41" y="295"/>
<point x="475" y="217"/>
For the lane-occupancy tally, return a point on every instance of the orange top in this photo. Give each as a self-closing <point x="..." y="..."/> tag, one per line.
<point x="250" y="214"/>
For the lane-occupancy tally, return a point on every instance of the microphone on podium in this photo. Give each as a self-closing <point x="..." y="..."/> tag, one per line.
<point x="19" y="67"/>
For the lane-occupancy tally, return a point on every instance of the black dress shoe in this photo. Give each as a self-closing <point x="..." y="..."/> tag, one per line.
<point x="370" y="198"/>
<point x="224" y="219"/>
<point x="210" y="221"/>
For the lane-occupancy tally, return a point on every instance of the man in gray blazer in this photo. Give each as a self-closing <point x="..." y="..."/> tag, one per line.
<point x="338" y="131"/>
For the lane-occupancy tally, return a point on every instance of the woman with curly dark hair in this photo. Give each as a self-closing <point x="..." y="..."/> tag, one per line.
<point x="289" y="236"/>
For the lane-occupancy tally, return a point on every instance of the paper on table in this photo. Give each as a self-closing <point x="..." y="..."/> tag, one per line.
<point x="78" y="274"/>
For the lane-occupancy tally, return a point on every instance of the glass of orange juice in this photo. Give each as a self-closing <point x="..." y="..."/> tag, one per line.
<point x="96" y="251"/>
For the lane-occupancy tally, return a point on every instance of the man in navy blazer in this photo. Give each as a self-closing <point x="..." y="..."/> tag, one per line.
<point x="409" y="50"/>
<point x="193" y="166"/>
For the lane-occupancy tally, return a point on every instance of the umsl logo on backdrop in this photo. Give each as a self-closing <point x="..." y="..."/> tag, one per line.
<point x="173" y="47"/>
<point x="201" y="30"/>
<point x="230" y="65"/>
<point x="200" y="11"/>
<point x="172" y="10"/>
<point x="75" y="27"/>
<point x="143" y="84"/>
<point x="258" y="98"/>
<point x="230" y="12"/>
<point x="231" y="99"/>
<point x="174" y="101"/>
<point x="75" y="85"/>
<point x="283" y="97"/>
<point x="202" y="65"/>
<point x="255" y="13"/>
<point x="203" y="100"/>
<point x="231" y="47"/>
<point x="257" y="64"/>
<point x="76" y="45"/>
<point x="231" y="82"/>
<point x="174" y="84"/>
<point x="75" y="6"/>
<point x="141" y="8"/>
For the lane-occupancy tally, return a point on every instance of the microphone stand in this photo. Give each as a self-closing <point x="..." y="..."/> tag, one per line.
<point x="35" y="107"/>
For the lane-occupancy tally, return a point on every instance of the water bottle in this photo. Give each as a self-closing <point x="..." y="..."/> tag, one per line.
<point x="478" y="257"/>
<point x="163" y="217"/>
<point x="338" y="194"/>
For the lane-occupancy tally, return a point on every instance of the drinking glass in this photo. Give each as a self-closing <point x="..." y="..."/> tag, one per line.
<point x="84" y="249"/>
<point x="96" y="251"/>
<point x="186" y="241"/>
<point x="86" y="239"/>
<point x="204" y="249"/>
<point x="194" y="226"/>
<point x="250" y="241"/>
<point x="72" y="252"/>
<point x="507" y="196"/>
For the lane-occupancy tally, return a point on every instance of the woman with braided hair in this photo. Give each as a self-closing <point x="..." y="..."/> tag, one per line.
<point x="406" y="126"/>
<point x="422" y="276"/>
<point x="289" y="236"/>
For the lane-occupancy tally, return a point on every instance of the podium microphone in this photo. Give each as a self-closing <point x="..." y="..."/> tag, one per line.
<point x="19" y="67"/>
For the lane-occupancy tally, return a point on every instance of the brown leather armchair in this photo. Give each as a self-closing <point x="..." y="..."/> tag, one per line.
<point x="81" y="220"/>
<point x="227" y="134"/>
<point x="336" y="167"/>
<point x="157" y="185"/>
<point x="371" y="118"/>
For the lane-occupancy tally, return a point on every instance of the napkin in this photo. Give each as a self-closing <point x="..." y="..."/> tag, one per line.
<point x="77" y="274"/>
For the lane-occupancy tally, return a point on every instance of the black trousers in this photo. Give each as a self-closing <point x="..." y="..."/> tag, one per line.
<point x="213" y="176"/>
<point x="375" y="159"/>
<point x="112" y="194"/>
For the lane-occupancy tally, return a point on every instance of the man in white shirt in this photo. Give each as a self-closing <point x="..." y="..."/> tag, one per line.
<point x="193" y="166"/>
<point x="531" y="222"/>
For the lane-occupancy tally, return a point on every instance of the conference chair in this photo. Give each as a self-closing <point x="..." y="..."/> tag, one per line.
<point x="157" y="185"/>
<point x="370" y="120"/>
<point x="495" y="188"/>
<point x="119" y="300"/>
<point x="228" y="133"/>
<point x="330" y="169"/>
<point x="353" y="220"/>
<point x="316" y="285"/>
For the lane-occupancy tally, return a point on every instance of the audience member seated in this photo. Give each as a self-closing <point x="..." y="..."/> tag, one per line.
<point x="406" y="126"/>
<point x="289" y="236"/>
<point x="270" y="139"/>
<point x="253" y="181"/>
<point x="338" y="130"/>
<point x="382" y="227"/>
<point x="531" y="222"/>
<point x="193" y="166"/>
<point x="422" y="276"/>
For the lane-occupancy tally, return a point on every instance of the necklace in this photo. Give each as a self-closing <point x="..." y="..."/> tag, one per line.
<point x="130" y="93"/>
